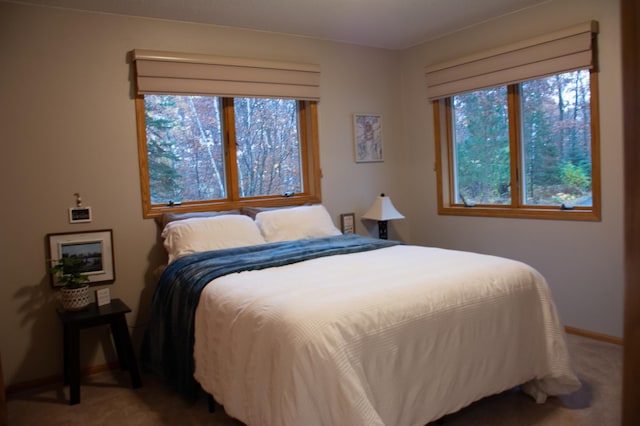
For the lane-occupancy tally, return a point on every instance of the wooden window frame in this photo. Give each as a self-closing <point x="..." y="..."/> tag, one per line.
<point x="442" y="111"/>
<point x="309" y="157"/>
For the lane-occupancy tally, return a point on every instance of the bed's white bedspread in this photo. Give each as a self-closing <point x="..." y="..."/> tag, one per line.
<point x="396" y="336"/>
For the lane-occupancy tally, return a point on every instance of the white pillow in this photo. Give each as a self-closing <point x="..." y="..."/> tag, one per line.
<point x="194" y="235"/>
<point x="296" y="223"/>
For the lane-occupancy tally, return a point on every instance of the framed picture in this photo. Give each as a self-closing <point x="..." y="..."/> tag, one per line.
<point x="367" y="137"/>
<point x="348" y="223"/>
<point x="79" y="214"/>
<point x="95" y="248"/>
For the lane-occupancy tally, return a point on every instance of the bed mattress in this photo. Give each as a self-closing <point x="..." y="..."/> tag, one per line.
<point x="395" y="336"/>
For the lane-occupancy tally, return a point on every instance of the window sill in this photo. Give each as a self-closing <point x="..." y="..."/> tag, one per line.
<point x="188" y="207"/>
<point x="528" y="213"/>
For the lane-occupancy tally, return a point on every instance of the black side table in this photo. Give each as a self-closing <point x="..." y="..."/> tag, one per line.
<point x="73" y="321"/>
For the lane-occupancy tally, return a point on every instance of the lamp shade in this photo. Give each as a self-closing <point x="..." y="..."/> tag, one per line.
<point x="382" y="209"/>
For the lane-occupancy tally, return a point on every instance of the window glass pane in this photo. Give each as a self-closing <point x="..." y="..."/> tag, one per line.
<point x="267" y="146"/>
<point x="556" y="140"/>
<point x="184" y="148"/>
<point x="481" y="147"/>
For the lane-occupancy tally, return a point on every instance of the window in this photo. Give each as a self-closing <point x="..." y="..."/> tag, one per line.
<point x="527" y="148"/>
<point x="224" y="146"/>
<point x="207" y="152"/>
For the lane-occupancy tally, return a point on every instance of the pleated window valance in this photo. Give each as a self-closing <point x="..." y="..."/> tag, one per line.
<point x="195" y="74"/>
<point x="568" y="50"/>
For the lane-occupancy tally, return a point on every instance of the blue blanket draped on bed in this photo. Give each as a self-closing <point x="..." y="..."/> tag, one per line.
<point x="169" y="338"/>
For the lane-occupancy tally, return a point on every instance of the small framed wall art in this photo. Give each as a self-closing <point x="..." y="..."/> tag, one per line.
<point x="367" y="137"/>
<point x="348" y="223"/>
<point x="79" y="214"/>
<point x="94" y="248"/>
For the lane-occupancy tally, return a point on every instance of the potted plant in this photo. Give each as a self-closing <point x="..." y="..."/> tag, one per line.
<point x="75" y="290"/>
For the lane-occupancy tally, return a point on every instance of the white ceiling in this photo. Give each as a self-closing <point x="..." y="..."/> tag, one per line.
<point x="392" y="24"/>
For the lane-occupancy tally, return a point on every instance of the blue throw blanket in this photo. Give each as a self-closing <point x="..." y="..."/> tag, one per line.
<point x="168" y="342"/>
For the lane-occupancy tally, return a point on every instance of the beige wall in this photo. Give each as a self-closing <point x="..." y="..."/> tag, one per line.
<point x="67" y="125"/>
<point x="583" y="262"/>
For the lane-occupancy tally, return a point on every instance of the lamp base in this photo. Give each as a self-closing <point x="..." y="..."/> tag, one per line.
<point x="382" y="229"/>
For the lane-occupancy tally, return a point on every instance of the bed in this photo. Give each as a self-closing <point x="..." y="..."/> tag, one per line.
<point x="285" y="321"/>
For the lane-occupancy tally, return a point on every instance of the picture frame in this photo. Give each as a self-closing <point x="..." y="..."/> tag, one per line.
<point x="348" y="223"/>
<point x="95" y="247"/>
<point x="103" y="297"/>
<point x="367" y="138"/>
<point x="79" y="214"/>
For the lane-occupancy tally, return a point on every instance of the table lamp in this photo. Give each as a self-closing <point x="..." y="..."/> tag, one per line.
<point x="382" y="210"/>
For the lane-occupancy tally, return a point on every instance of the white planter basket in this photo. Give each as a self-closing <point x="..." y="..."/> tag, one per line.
<point x="75" y="299"/>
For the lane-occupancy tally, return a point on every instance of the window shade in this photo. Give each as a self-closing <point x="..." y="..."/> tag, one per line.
<point x="193" y="74"/>
<point x="563" y="51"/>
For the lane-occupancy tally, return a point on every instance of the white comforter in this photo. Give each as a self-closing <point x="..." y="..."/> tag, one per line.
<point x="395" y="336"/>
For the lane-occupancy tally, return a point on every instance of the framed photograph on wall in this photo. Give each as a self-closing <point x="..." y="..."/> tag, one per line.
<point x="79" y="214"/>
<point x="367" y="137"/>
<point x="94" y="248"/>
<point x="348" y="223"/>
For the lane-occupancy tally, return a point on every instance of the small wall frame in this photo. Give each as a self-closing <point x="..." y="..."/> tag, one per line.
<point x="94" y="247"/>
<point x="79" y="214"/>
<point x="367" y="138"/>
<point x="348" y="223"/>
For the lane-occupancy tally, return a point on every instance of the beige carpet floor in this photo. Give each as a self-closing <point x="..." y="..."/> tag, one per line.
<point x="107" y="399"/>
